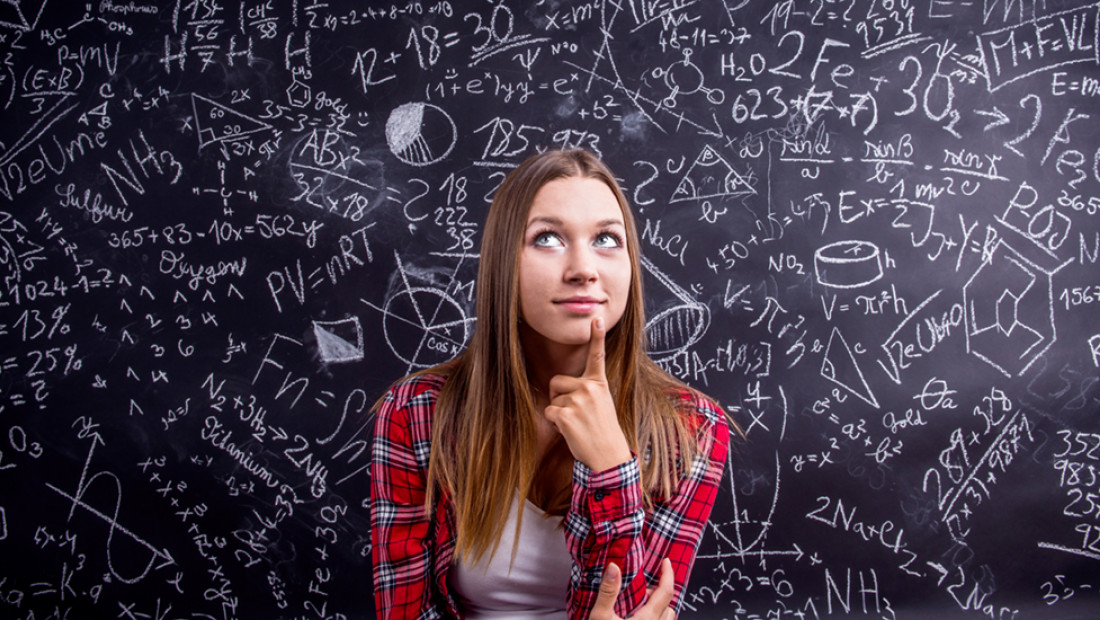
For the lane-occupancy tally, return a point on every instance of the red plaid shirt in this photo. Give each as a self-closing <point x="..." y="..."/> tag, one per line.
<point x="413" y="552"/>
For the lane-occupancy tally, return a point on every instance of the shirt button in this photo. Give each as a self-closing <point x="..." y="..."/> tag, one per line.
<point x="599" y="495"/>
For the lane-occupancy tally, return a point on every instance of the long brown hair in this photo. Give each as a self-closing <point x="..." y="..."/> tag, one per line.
<point x="484" y="446"/>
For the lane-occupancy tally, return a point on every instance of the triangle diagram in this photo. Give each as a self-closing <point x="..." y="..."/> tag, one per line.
<point x="711" y="176"/>
<point x="840" y="367"/>
<point x="218" y="123"/>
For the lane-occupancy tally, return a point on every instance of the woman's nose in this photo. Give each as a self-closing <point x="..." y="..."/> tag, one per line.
<point x="581" y="266"/>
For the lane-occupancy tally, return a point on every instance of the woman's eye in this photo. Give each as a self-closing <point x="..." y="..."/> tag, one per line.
<point x="608" y="240"/>
<point x="547" y="240"/>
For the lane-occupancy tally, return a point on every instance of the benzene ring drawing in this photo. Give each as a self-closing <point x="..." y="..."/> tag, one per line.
<point x="1009" y="302"/>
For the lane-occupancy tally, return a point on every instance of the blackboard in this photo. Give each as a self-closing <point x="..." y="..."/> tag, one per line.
<point x="871" y="231"/>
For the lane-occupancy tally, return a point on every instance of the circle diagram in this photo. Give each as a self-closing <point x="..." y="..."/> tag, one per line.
<point x="424" y="327"/>
<point x="420" y="133"/>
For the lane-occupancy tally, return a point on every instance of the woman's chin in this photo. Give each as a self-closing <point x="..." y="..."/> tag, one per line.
<point x="572" y="338"/>
<point x="567" y="340"/>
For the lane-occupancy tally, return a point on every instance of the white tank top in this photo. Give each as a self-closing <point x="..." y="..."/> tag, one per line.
<point x="534" y="586"/>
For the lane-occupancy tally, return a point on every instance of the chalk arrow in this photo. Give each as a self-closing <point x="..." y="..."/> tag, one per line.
<point x="168" y="559"/>
<point x="1000" y="117"/>
<point x="707" y="132"/>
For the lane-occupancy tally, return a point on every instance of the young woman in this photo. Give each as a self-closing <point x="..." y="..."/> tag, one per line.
<point x="506" y="481"/>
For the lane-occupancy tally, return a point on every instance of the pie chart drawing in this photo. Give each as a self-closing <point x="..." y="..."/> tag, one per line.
<point x="420" y="133"/>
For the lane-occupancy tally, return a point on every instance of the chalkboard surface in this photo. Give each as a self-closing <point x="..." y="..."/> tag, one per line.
<point x="871" y="231"/>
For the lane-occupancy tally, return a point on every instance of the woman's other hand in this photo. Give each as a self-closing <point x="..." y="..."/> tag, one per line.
<point x="656" y="608"/>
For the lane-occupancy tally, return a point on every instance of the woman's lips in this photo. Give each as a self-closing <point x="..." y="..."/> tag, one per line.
<point x="579" y="305"/>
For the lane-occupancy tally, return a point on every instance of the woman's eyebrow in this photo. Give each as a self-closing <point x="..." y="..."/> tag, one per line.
<point x="545" y="219"/>
<point x="553" y="221"/>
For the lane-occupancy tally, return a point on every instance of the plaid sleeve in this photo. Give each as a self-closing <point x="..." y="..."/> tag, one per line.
<point x="400" y="524"/>
<point x="607" y="523"/>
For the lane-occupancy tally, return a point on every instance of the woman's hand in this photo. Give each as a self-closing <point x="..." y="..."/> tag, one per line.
<point x="656" y="608"/>
<point x="582" y="410"/>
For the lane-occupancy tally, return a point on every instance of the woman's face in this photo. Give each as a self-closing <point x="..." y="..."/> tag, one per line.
<point x="574" y="265"/>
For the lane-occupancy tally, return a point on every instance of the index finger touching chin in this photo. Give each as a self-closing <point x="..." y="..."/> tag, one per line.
<point x="596" y="349"/>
